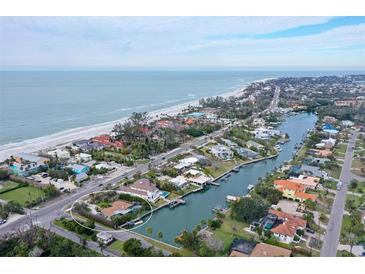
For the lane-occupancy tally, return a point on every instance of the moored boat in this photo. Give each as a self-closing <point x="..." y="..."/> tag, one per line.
<point x="250" y="187"/>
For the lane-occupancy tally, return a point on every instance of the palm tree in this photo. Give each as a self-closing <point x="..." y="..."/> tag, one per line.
<point x="160" y="235"/>
<point x="149" y="231"/>
<point x="351" y="239"/>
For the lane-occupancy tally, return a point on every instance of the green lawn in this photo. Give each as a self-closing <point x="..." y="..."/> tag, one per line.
<point x="346" y="225"/>
<point x="8" y="185"/>
<point x="231" y="229"/>
<point x="118" y="247"/>
<point x="335" y="172"/>
<point x="353" y="201"/>
<point x="188" y="189"/>
<point x="357" y="167"/>
<point x="340" y="149"/>
<point x="23" y="195"/>
<point x="301" y="153"/>
<point x="221" y="168"/>
<point x="330" y="184"/>
<point x="360" y="187"/>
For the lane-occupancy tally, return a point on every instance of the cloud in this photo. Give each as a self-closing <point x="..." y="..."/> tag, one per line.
<point x="180" y="42"/>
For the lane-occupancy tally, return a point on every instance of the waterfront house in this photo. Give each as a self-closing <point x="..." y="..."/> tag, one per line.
<point x="119" y="208"/>
<point x="88" y="145"/>
<point x="179" y="181"/>
<point x="293" y="190"/>
<point x="265" y="133"/>
<point x="266" y="250"/>
<point x="247" y="153"/>
<point x="59" y="153"/>
<point x="105" y="237"/>
<point x="286" y="230"/>
<point x="261" y="134"/>
<point x="197" y="177"/>
<point x="23" y="164"/>
<point x="105" y="140"/>
<point x="142" y="188"/>
<point x="222" y="152"/>
<point x="254" y="144"/>
<point x="241" y="248"/>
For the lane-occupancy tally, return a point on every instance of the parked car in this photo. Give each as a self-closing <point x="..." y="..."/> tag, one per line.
<point x="2" y="221"/>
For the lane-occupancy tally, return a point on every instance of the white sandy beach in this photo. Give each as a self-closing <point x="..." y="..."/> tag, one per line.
<point x="66" y="137"/>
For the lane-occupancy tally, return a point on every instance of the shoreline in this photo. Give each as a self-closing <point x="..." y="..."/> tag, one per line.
<point x="65" y="137"/>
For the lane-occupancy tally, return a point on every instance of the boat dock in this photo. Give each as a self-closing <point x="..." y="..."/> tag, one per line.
<point x="177" y="202"/>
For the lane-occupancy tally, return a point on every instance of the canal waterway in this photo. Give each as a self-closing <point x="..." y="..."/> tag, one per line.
<point x="172" y="222"/>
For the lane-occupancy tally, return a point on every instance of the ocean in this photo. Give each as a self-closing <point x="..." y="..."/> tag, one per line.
<point x="40" y="103"/>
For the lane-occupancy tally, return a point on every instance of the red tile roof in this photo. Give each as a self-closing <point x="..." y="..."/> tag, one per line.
<point x="117" y="205"/>
<point x="286" y="184"/>
<point x="306" y="196"/>
<point x="287" y="228"/>
<point x="266" y="250"/>
<point x="105" y="140"/>
<point x="286" y="216"/>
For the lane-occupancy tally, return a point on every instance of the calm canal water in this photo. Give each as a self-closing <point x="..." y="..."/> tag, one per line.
<point x="172" y="222"/>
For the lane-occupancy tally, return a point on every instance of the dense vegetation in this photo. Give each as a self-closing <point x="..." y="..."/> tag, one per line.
<point x="249" y="209"/>
<point x="40" y="242"/>
<point x="133" y="247"/>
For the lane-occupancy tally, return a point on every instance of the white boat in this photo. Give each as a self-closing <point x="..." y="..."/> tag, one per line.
<point x="278" y="148"/>
<point x="250" y="187"/>
<point x="231" y="198"/>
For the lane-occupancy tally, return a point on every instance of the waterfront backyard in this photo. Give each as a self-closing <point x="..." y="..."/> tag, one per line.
<point x="172" y="222"/>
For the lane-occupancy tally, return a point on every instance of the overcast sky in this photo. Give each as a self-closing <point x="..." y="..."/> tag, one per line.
<point x="182" y="43"/>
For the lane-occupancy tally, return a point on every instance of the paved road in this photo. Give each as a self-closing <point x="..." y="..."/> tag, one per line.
<point x="275" y="101"/>
<point x="55" y="208"/>
<point x="73" y="237"/>
<point x="332" y="237"/>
